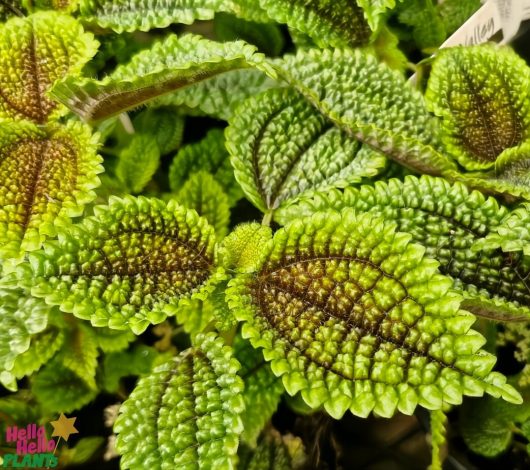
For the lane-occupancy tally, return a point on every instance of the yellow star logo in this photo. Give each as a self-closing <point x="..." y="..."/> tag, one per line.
<point x="63" y="427"/>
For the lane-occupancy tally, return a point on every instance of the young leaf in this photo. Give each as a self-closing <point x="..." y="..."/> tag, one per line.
<point x="263" y="390"/>
<point x="185" y="414"/>
<point x="281" y="148"/>
<point x="438" y="438"/>
<point x="204" y="194"/>
<point x="169" y="65"/>
<point x="165" y="124"/>
<point x="138" y="162"/>
<point x="35" y="52"/>
<point x="482" y="95"/>
<point x="449" y="221"/>
<point x="143" y="15"/>
<point x="371" y="102"/>
<point x="353" y="315"/>
<point x="128" y="266"/>
<point x="209" y="154"/>
<point x="47" y="174"/>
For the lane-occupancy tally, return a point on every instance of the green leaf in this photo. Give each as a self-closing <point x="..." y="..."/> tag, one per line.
<point x="21" y="318"/>
<point x="137" y="361"/>
<point x="9" y="8"/>
<point x="143" y="15"/>
<point x="126" y="267"/>
<point x="481" y="93"/>
<point x="267" y="37"/>
<point x="209" y="154"/>
<point x="166" y="124"/>
<point x="66" y="6"/>
<point x="263" y="390"/>
<point x="335" y="23"/>
<point x="47" y="175"/>
<point x="274" y="452"/>
<point x="371" y="102"/>
<point x="281" y="148"/>
<point x="112" y="340"/>
<point x="438" y="438"/>
<point x="59" y="390"/>
<point x="242" y="248"/>
<point x="487" y="425"/>
<point x="450" y="222"/>
<point x="35" y="52"/>
<point x="455" y="13"/>
<point x="428" y="28"/>
<point x="205" y="195"/>
<point x="512" y="171"/>
<point x="353" y="315"/>
<point x="185" y="414"/>
<point x="172" y="64"/>
<point x="138" y="162"/>
<point x="85" y="450"/>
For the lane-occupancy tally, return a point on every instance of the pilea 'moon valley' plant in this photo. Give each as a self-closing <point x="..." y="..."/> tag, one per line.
<point x="240" y="221"/>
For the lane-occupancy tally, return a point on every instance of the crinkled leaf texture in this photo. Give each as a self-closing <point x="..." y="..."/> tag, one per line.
<point x="185" y="414"/>
<point x="165" y="123"/>
<point x="482" y="95"/>
<point x="128" y="266"/>
<point x="353" y="315"/>
<point x="281" y="148"/>
<point x="438" y="438"/>
<point x="450" y="222"/>
<point x="172" y="64"/>
<point x="46" y="175"/>
<point x="143" y="15"/>
<point x="371" y="102"/>
<point x="35" y="52"/>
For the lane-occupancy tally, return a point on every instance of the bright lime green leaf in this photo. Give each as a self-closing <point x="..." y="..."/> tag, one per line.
<point x="386" y="49"/>
<point x="112" y="340"/>
<point x="267" y="37"/>
<point x="449" y="221"/>
<point x="166" y="124"/>
<point x="281" y="148"/>
<point x="209" y="154"/>
<point x="138" y="162"/>
<point x="35" y="52"/>
<point x="371" y="102"/>
<point x="46" y="176"/>
<point x="205" y="195"/>
<point x="126" y="267"/>
<point x="482" y="95"/>
<point x="143" y="15"/>
<point x="172" y="64"/>
<point x="352" y="314"/>
<point x="375" y="11"/>
<point x="263" y="390"/>
<point x="438" y="438"/>
<point x="22" y="317"/>
<point x="185" y="414"/>
<point x="79" y="353"/>
<point x="59" y="390"/>
<point x="428" y="28"/>
<point x="242" y="249"/>
<point x="455" y="13"/>
<point x="137" y="361"/>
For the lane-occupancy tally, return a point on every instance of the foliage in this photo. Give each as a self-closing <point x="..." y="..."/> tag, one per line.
<point x="280" y="221"/>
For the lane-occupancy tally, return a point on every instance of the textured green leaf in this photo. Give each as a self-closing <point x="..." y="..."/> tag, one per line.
<point x="169" y="65"/>
<point x="59" y="390"/>
<point x="205" y="195"/>
<point x="138" y="162"/>
<point x="143" y="15"/>
<point x="242" y="249"/>
<point x="165" y="123"/>
<point x="450" y="222"/>
<point x="137" y="361"/>
<point x="371" y="102"/>
<point x="263" y="390"/>
<point x="21" y="318"/>
<point x="128" y="266"/>
<point x="46" y="175"/>
<point x="482" y="95"/>
<point x="281" y="148"/>
<point x="185" y="414"/>
<point x="267" y="37"/>
<point x="209" y="154"/>
<point x="455" y="13"/>
<point x="112" y="340"/>
<point x="354" y="316"/>
<point x="34" y="52"/>
<point x="428" y="27"/>
<point x="66" y="6"/>
<point x="272" y="452"/>
<point x="438" y="438"/>
<point x="512" y="171"/>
